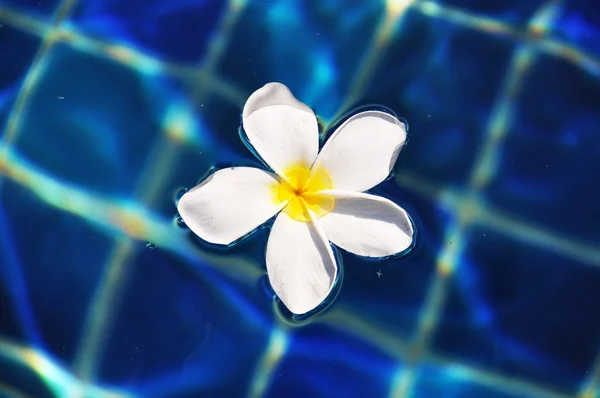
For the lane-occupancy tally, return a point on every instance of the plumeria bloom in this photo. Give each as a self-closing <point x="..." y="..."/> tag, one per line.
<point x="317" y="197"/>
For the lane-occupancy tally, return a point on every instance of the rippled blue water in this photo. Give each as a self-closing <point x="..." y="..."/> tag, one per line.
<point x="108" y="108"/>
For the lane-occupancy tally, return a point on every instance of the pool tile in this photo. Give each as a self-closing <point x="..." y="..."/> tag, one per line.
<point x="163" y="29"/>
<point x="513" y="12"/>
<point x="41" y="9"/>
<point x="95" y="122"/>
<point x="439" y="90"/>
<point x="519" y="310"/>
<point x="58" y="283"/>
<point x="22" y="47"/>
<point x="21" y="381"/>
<point x="549" y="160"/>
<point x="313" y="48"/>
<point x="222" y="328"/>
<point x="434" y="381"/>
<point x="577" y="26"/>
<point x="321" y="362"/>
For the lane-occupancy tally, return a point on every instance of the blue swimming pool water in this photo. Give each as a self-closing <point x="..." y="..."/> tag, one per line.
<point x="109" y="108"/>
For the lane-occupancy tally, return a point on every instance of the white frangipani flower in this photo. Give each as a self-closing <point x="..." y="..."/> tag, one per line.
<point x="318" y="197"/>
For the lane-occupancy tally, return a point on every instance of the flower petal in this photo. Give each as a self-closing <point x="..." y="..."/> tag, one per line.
<point x="362" y="152"/>
<point x="300" y="263"/>
<point x="282" y="129"/>
<point x="367" y="225"/>
<point x="229" y="204"/>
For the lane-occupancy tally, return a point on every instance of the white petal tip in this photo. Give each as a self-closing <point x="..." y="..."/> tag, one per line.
<point x="185" y="209"/>
<point x="300" y="263"/>
<point x="363" y="150"/>
<point x="300" y="309"/>
<point x="302" y="303"/>
<point x="270" y="94"/>
<point x="229" y="204"/>
<point x="368" y="225"/>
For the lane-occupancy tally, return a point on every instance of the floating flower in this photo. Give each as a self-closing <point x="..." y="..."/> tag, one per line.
<point x="318" y="197"/>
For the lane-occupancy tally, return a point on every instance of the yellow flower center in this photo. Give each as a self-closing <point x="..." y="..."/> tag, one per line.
<point x="302" y="193"/>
